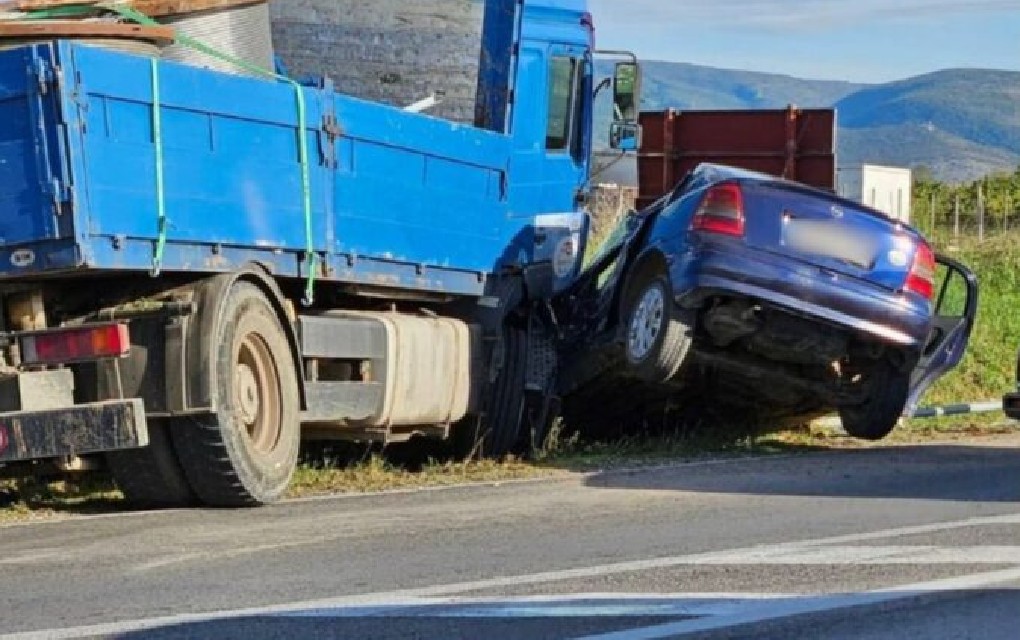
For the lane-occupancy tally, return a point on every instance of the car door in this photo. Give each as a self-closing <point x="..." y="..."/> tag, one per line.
<point x="956" y="305"/>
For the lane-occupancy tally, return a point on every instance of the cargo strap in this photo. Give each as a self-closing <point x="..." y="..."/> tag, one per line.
<point x="157" y="135"/>
<point x="125" y="11"/>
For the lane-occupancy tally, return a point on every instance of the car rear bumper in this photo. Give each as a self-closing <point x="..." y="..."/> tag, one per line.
<point x="77" y="430"/>
<point x="807" y="291"/>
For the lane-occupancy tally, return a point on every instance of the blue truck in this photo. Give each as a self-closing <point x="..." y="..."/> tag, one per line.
<point x="200" y="270"/>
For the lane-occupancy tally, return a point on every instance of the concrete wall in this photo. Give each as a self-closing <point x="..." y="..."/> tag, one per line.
<point x="392" y="51"/>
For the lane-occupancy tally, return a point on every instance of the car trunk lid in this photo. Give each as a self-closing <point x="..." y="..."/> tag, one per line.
<point x="830" y="233"/>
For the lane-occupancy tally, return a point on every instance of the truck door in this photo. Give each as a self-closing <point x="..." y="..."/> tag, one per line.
<point x="956" y="305"/>
<point x="567" y="135"/>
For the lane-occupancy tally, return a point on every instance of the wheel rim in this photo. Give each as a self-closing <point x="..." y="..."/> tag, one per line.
<point x="257" y="393"/>
<point x="646" y="325"/>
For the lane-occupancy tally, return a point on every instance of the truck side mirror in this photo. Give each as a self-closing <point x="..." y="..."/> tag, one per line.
<point x="626" y="91"/>
<point x="625" y="133"/>
<point x="625" y="136"/>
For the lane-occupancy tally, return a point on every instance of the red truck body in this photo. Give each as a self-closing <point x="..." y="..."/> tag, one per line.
<point x="797" y="144"/>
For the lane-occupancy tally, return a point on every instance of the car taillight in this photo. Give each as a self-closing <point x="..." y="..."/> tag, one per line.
<point x="62" y="346"/>
<point x="721" y="211"/>
<point x="921" y="279"/>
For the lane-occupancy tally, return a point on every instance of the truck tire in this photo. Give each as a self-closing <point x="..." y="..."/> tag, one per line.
<point x="245" y="453"/>
<point x="876" y="417"/>
<point x="500" y="432"/>
<point x="152" y="477"/>
<point x="658" y="334"/>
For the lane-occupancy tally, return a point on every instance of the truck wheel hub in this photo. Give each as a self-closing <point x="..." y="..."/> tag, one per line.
<point x="247" y="394"/>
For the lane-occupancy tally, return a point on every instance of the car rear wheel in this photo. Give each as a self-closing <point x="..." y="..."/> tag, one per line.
<point x="659" y="334"/>
<point x="877" y="416"/>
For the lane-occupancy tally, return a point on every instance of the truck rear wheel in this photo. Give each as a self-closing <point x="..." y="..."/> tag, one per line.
<point x="246" y="452"/>
<point x="151" y="477"/>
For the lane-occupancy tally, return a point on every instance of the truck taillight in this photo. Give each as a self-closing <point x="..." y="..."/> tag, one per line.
<point x="921" y="279"/>
<point x="80" y="344"/>
<point x="721" y="211"/>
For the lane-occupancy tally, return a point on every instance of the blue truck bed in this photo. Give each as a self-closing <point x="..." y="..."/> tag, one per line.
<point x="398" y="199"/>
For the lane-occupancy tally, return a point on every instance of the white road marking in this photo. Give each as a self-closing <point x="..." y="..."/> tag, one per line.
<point x="33" y="557"/>
<point x="865" y="555"/>
<point x="409" y="596"/>
<point x="772" y="611"/>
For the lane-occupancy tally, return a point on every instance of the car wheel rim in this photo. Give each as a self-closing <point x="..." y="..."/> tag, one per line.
<point x="257" y="394"/>
<point x="647" y="323"/>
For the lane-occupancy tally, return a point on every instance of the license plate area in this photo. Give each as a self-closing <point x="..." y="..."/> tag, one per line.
<point x="830" y="240"/>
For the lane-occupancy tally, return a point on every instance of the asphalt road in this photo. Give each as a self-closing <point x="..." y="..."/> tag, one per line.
<point x="883" y="543"/>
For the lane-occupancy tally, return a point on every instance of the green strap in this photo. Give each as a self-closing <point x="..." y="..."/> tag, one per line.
<point x="125" y="11"/>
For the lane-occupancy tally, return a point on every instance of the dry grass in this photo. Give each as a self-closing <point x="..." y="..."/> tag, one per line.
<point x="377" y="474"/>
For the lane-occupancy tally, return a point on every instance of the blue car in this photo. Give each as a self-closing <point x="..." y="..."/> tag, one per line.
<point x="771" y="296"/>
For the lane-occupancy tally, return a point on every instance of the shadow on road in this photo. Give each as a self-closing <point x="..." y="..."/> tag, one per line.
<point x="948" y="472"/>
<point x="927" y="612"/>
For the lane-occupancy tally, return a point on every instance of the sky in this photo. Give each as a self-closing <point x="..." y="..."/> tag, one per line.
<point x="855" y="40"/>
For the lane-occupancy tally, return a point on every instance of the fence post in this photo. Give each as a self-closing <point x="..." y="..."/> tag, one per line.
<point x="981" y="213"/>
<point x="956" y="219"/>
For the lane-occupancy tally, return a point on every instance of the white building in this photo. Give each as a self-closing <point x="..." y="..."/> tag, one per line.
<point x="888" y="189"/>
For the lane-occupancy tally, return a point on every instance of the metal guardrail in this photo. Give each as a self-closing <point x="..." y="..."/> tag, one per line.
<point x="990" y="406"/>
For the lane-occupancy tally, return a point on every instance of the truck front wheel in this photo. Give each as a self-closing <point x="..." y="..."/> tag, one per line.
<point x="246" y="452"/>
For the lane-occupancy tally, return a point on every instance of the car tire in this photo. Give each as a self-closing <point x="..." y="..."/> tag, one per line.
<point x="659" y="334"/>
<point x="876" y="417"/>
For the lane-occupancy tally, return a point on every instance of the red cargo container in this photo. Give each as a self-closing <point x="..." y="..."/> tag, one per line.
<point x="797" y="144"/>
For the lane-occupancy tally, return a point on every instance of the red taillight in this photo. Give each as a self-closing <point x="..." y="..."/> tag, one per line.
<point x="721" y="211"/>
<point x="62" y="346"/>
<point x="921" y="279"/>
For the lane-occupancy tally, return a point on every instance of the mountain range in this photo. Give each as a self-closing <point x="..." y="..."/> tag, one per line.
<point x="960" y="123"/>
